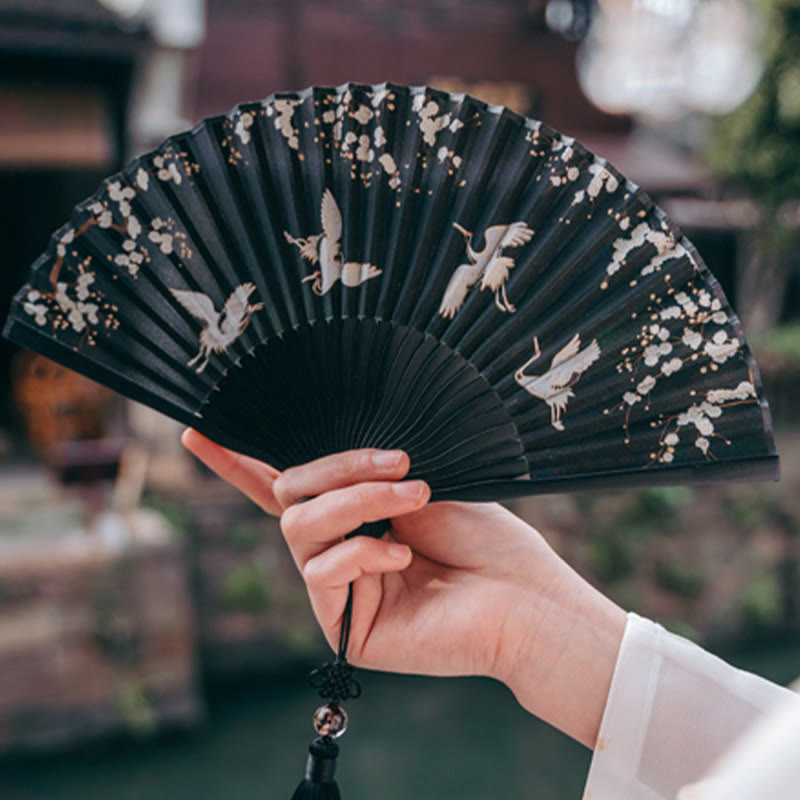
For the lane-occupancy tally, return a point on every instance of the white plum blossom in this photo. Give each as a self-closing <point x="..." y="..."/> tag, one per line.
<point x="653" y="353"/>
<point x="645" y="386"/>
<point x="657" y="261"/>
<point x="700" y="415"/>
<point x="166" y="171"/>
<point x="704" y="426"/>
<point x="364" y="151"/>
<point x="671" y="366"/>
<point x="142" y="179"/>
<point x="284" y="110"/>
<point x="642" y="234"/>
<point x="102" y="214"/>
<point x="163" y="240"/>
<point x="631" y="398"/>
<point x="117" y="192"/>
<point x="132" y="261"/>
<point x="350" y="138"/>
<point x="328" y="116"/>
<point x="686" y="302"/>
<point x="82" y="285"/>
<point x="363" y="115"/>
<point x="65" y="239"/>
<point x="379" y="137"/>
<point x="243" y="125"/>
<point x="671" y="312"/>
<point x="743" y="391"/>
<point x="691" y="338"/>
<point x="601" y="178"/>
<point x="388" y="163"/>
<point x="78" y="314"/>
<point x="37" y="310"/>
<point x="721" y="348"/>
<point x="430" y="124"/>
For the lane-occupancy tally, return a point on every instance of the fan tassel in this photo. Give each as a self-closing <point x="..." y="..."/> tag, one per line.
<point x="320" y="780"/>
<point x="334" y="682"/>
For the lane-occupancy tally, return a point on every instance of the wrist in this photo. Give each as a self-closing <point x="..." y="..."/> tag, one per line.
<point x="560" y="649"/>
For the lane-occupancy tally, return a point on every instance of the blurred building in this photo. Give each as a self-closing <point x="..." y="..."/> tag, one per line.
<point x="254" y="48"/>
<point x="67" y="69"/>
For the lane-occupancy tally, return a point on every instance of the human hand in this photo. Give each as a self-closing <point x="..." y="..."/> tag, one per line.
<point x="452" y="589"/>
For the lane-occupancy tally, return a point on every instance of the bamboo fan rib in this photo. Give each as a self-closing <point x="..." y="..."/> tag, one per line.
<point x="387" y="266"/>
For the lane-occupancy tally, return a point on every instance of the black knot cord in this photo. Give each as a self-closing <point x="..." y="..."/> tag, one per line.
<point x="335" y="681"/>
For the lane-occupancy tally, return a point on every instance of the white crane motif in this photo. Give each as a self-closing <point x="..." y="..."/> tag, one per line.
<point x="490" y="265"/>
<point x="221" y="328"/>
<point x="555" y="385"/>
<point x="324" y="248"/>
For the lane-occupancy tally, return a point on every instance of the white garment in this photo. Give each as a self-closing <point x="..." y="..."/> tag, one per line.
<point x="672" y="712"/>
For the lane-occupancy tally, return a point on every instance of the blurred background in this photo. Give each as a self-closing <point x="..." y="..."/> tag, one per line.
<point x="154" y="638"/>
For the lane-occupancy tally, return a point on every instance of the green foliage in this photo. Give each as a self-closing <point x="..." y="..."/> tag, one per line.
<point x="176" y="514"/>
<point x="300" y="640"/>
<point x="611" y="554"/>
<point x="678" y="578"/>
<point x="752" y="509"/>
<point x="783" y="340"/>
<point x="245" y="589"/>
<point x="682" y="628"/>
<point x="245" y="536"/>
<point x="658" y="507"/>
<point x="756" y="146"/>
<point x="140" y="719"/>
<point x="761" y="603"/>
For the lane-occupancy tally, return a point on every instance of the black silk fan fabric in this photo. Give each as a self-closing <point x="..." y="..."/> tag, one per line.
<point x="389" y="266"/>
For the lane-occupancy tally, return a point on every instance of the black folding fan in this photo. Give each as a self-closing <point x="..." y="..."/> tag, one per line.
<point x="394" y="267"/>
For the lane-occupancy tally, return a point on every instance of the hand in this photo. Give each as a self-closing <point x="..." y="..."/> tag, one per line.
<point x="452" y="589"/>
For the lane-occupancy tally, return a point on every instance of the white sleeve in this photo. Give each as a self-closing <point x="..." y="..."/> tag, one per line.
<point x="672" y="710"/>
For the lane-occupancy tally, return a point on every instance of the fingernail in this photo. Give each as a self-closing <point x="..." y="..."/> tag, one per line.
<point x="387" y="458"/>
<point x="398" y="551"/>
<point x="410" y="490"/>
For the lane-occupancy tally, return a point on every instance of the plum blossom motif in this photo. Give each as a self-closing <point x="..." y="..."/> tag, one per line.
<point x="702" y="418"/>
<point x="678" y="330"/>
<point x="73" y="306"/>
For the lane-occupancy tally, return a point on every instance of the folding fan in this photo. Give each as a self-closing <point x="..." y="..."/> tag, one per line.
<point x="399" y="267"/>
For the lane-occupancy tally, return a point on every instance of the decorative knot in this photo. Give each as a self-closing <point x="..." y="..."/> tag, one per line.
<point x="335" y="681"/>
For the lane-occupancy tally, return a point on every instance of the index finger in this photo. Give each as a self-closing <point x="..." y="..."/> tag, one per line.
<point x="253" y="478"/>
<point x="338" y="471"/>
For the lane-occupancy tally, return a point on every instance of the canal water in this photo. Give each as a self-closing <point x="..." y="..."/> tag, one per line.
<point x="409" y="738"/>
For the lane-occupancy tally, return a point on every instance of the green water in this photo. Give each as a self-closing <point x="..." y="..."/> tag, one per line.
<point x="409" y="738"/>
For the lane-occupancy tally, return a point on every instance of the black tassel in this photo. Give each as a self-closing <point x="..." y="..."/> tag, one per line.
<point x="333" y="682"/>
<point x="320" y="780"/>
